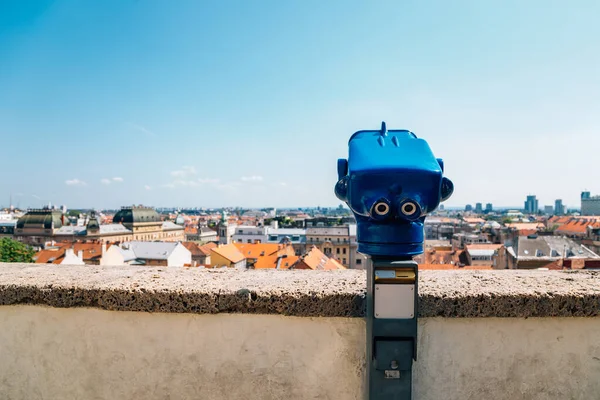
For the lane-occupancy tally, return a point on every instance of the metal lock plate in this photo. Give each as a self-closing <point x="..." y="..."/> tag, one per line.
<point x="394" y="353"/>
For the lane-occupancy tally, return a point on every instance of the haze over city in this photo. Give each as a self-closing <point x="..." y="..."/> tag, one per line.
<point x="251" y="103"/>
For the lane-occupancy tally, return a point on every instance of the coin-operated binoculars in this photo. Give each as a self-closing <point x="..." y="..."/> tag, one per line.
<point x="391" y="181"/>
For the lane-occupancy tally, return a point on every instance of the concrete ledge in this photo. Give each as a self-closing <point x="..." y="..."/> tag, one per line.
<point x="300" y="293"/>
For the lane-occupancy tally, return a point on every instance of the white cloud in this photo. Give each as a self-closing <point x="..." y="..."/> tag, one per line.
<point x="105" y="181"/>
<point x="184" y="171"/>
<point x="186" y="177"/>
<point x="181" y="183"/>
<point x="253" y="178"/>
<point x="147" y="187"/>
<point x="117" y="179"/>
<point x="75" y="182"/>
<point x="208" y="180"/>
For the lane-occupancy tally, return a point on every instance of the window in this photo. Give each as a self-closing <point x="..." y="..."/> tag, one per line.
<point x="240" y="231"/>
<point x="337" y="251"/>
<point x="273" y="238"/>
<point x="295" y="238"/>
<point x="249" y="240"/>
<point x="338" y="240"/>
<point x="358" y="261"/>
<point x="344" y="251"/>
<point x="344" y="261"/>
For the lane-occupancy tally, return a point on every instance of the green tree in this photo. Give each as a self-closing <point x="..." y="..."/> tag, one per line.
<point x="13" y="251"/>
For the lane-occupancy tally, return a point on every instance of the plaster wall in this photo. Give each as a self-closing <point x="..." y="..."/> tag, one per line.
<point x="84" y="353"/>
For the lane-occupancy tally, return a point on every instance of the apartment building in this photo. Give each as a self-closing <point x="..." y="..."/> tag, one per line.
<point x="338" y="242"/>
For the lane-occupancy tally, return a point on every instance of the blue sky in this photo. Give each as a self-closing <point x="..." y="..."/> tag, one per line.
<point x="198" y="103"/>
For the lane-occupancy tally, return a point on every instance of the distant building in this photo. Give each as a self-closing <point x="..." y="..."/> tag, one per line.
<point x="328" y="221"/>
<point x="7" y="228"/>
<point x="590" y="205"/>
<point x="577" y="228"/>
<point x="441" y="227"/>
<point x="225" y="230"/>
<point x="592" y="238"/>
<point x="293" y="236"/>
<point x="481" y="254"/>
<point x="460" y="240"/>
<point x="338" y="242"/>
<point x="316" y="260"/>
<point x="71" y="254"/>
<point x="531" y="205"/>
<point x="271" y="234"/>
<point x="559" y="209"/>
<point x="548" y="210"/>
<point x="201" y="234"/>
<point x="489" y="208"/>
<point x="39" y="226"/>
<point x="268" y="255"/>
<point x="468" y="208"/>
<point x="526" y="228"/>
<point x="227" y="256"/>
<point x="200" y="253"/>
<point x="478" y="208"/>
<point x="42" y="227"/>
<point x="552" y="252"/>
<point x="153" y="254"/>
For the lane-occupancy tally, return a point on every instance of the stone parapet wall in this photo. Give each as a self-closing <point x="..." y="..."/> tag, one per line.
<point x="461" y="294"/>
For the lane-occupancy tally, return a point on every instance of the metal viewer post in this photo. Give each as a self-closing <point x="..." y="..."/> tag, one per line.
<point x="391" y="181"/>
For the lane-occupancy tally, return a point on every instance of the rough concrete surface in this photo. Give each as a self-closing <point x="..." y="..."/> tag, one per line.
<point x="300" y="293"/>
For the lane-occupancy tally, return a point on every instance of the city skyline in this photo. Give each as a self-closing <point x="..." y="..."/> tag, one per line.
<point x="108" y="104"/>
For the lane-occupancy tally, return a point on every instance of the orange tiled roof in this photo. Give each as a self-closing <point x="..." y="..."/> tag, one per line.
<point x="49" y="256"/>
<point x="315" y="259"/>
<point x="268" y="254"/>
<point x="206" y="248"/>
<point x="256" y="250"/>
<point x="193" y="248"/>
<point x="438" y="256"/>
<point x="474" y="220"/>
<point x="576" y="226"/>
<point x="230" y="252"/>
<point x="270" y="262"/>
<point x="91" y="251"/>
<point x="525" y="225"/>
<point x="483" y="246"/>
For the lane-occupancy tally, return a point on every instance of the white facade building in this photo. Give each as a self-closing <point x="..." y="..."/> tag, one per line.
<point x="167" y="254"/>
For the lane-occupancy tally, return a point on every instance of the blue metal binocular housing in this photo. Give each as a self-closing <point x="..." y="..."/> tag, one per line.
<point x="391" y="181"/>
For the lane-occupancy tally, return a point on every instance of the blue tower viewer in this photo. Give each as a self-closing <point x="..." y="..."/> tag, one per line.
<point x="391" y="181"/>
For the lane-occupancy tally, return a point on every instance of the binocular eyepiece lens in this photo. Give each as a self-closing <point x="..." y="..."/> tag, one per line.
<point x="382" y="209"/>
<point x="409" y="209"/>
